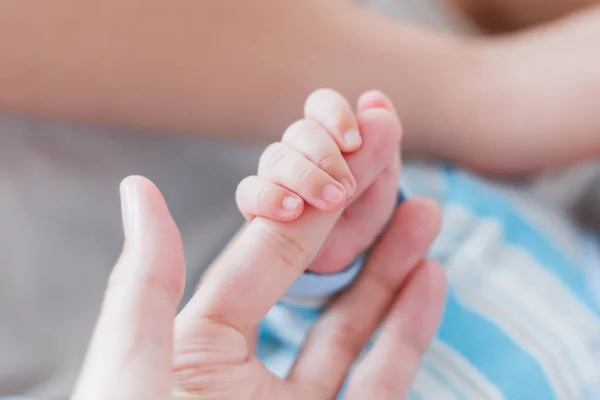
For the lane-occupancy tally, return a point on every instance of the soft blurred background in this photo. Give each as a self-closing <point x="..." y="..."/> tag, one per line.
<point x="60" y="229"/>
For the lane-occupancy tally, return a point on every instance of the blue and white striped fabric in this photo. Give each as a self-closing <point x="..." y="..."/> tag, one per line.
<point x="520" y="321"/>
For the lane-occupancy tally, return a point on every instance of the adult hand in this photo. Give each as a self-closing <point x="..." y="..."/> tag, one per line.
<point x="140" y="350"/>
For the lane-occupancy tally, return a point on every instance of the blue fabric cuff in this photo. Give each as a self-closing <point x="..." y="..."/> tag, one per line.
<point x="321" y="286"/>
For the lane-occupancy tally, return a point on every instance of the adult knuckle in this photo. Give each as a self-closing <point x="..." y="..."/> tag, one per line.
<point x="315" y="387"/>
<point x="156" y="283"/>
<point x="287" y="249"/>
<point x="117" y="281"/>
<point x="385" y="285"/>
<point x="193" y="380"/>
<point x="347" y="338"/>
<point x="206" y="360"/>
<point x="410" y="340"/>
<point x="386" y="388"/>
<point x="122" y="282"/>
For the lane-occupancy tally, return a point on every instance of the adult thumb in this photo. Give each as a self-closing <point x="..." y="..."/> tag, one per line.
<point x="131" y="351"/>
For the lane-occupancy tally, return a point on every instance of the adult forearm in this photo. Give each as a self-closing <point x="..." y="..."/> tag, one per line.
<point x="229" y="68"/>
<point x="508" y="15"/>
<point x="536" y="103"/>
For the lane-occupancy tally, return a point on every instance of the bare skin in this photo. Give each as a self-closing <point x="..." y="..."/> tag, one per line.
<point x="309" y="162"/>
<point x="140" y="350"/>
<point x="507" y="106"/>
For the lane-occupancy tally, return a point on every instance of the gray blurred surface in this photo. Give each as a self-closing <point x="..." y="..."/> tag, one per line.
<point x="61" y="230"/>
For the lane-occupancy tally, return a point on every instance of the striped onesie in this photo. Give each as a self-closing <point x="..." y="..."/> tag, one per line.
<point x="520" y="320"/>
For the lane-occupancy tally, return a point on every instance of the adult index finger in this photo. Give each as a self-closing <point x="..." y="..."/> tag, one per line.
<point x="267" y="257"/>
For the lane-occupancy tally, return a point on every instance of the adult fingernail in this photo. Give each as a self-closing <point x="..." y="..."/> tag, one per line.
<point x="352" y="138"/>
<point x="290" y="203"/>
<point x="128" y="210"/>
<point x="332" y="194"/>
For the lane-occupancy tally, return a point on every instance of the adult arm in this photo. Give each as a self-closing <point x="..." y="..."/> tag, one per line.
<point x="240" y="70"/>
<point x="506" y="15"/>
<point x="229" y="68"/>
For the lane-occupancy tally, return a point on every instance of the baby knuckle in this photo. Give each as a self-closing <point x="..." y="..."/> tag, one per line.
<point x="263" y="200"/>
<point x="302" y="128"/>
<point x="328" y="162"/>
<point x="304" y="176"/>
<point x="339" y="116"/>
<point x="240" y="192"/>
<point x="324" y="100"/>
<point x="272" y="157"/>
<point x="324" y="92"/>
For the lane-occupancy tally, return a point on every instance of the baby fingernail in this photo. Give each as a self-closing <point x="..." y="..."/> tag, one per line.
<point x="346" y="184"/>
<point x="290" y="203"/>
<point x="332" y="194"/>
<point x="352" y="138"/>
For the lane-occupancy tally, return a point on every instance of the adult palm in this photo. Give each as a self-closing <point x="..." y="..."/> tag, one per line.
<point x="141" y="350"/>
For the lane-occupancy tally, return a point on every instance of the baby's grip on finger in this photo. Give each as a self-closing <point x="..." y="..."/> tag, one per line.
<point x="316" y="144"/>
<point x="258" y="197"/>
<point x="289" y="168"/>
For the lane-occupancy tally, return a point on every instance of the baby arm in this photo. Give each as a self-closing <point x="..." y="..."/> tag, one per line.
<point x="308" y="168"/>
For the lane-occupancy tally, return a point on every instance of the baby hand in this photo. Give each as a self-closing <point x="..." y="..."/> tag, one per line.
<point x="309" y="167"/>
